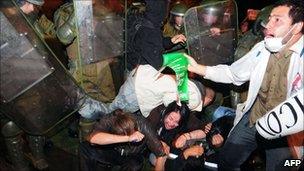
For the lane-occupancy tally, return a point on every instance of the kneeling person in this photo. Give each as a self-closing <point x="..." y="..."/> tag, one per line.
<point x="119" y="139"/>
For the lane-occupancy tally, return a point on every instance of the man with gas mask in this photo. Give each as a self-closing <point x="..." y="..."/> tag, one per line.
<point x="274" y="68"/>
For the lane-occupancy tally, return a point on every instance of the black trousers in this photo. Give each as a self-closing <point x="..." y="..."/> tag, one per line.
<point x="243" y="140"/>
<point x="98" y="158"/>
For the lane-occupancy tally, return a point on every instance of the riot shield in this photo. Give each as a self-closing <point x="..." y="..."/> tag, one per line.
<point x="99" y="31"/>
<point x="211" y="32"/>
<point x="37" y="93"/>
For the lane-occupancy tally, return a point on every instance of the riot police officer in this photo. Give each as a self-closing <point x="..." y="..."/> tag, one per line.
<point x="251" y="37"/>
<point x="12" y="133"/>
<point x="36" y="143"/>
<point x="95" y="78"/>
<point x="174" y="25"/>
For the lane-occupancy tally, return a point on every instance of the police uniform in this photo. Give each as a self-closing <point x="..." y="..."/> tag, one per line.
<point x="95" y="78"/>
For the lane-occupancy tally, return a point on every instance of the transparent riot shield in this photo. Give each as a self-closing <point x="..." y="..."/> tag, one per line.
<point x="211" y="31"/>
<point x="99" y="31"/>
<point x="99" y="42"/>
<point x="37" y="93"/>
<point x="22" y="66"/>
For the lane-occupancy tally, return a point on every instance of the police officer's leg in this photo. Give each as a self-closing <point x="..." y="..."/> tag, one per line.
<point x="14" y="143"/>
<point x="238" y="146"/>
<point x="85" y="128"/>
<point x="36" y="144"/>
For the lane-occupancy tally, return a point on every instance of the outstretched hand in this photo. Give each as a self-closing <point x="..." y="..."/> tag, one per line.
<point x="215" y="31"/>
<point x="194" y="66"/>
<point x="180" y="38"/>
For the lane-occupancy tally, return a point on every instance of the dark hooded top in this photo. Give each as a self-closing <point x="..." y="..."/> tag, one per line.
<point x="149" y="43"/>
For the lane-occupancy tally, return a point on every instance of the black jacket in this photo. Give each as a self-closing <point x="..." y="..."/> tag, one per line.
<point x="149" y="44"/>
<point x="105" y="125"/>
<point x="168" y="136"/>
<point x="193" y="123"/>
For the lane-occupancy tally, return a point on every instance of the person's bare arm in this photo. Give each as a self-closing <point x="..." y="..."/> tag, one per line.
<point x="195" y="67"/>
<point x="160" y="163"/>
<point x="193" y="135"/>
<point x="103" y="138"/>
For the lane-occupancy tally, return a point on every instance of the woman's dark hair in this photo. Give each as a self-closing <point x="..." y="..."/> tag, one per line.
<point x="168" y="136"/>
<point x="183" y="110"/>
<point x="123" y="123"/>
<point x="296" y="10"/>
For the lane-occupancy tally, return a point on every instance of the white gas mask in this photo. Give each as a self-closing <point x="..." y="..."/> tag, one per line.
<point x="275" y="44"/>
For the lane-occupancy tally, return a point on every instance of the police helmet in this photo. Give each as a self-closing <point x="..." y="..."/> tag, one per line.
<point x="36" y="2"/>
<point x="211" y="7"/>
<point x="264" y="14"/>
<point x="261" y="20"/>
<point x="179" y="9"/>
<point x="204" y="2"/>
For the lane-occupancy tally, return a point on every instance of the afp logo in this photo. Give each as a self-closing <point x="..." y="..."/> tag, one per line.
<point x="292" y="163"/>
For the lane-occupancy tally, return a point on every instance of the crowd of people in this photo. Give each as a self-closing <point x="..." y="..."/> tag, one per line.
<point x="174" y="123"/>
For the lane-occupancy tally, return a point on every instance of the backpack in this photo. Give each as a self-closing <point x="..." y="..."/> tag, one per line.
<point x="134" y="23"/>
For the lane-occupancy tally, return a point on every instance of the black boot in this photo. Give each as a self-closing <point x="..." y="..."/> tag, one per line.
<point x="36" y="144"/>
<point x="85" y="128"/>
<point x="14" y="144"/>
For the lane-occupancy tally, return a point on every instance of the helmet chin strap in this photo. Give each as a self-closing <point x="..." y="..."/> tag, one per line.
<point x="178" y="27"/>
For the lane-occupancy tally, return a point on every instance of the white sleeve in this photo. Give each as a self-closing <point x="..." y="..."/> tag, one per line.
<point x="237" y="73"/>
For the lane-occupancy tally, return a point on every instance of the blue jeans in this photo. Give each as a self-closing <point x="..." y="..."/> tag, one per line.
<point x="126" y="100"/>
<point x="222" y="111"/>
<point x="243" y="140"/>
